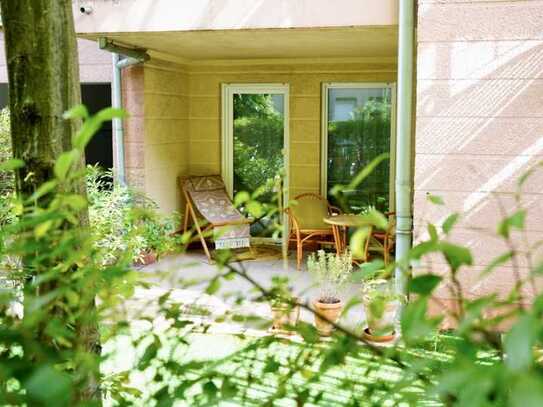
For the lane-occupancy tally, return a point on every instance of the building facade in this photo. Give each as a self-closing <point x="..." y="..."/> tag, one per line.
<point x="478" y="122"/>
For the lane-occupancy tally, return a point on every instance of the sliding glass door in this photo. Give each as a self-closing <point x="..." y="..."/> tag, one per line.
<point x="357" y="127"/>
<point x="253" y="148"/>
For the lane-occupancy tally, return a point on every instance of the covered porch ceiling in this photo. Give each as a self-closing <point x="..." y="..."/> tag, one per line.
<point x="375" y="42"/>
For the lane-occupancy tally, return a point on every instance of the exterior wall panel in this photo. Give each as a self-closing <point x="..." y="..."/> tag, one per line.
<point x="166" y="140"/>
<point x="479" y="128"/>
<point x="305" y="111"/>
<point x="183" y="123"/>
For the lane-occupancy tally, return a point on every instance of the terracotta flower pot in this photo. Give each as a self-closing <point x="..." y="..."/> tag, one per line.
<point x="381" y="325"/>
<point x="146" y="259"/>
<point x="367" y="335"/>
<point x="331" y="312"/>
<point x="284" y="316"/>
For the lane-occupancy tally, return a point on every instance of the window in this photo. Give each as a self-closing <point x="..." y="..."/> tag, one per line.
<point x="255" y="133"/>
<point x="357" y="127"/>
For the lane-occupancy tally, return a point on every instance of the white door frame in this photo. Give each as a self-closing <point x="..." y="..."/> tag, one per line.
<point x="324" y="131"/>
<point x="227" y="129"/>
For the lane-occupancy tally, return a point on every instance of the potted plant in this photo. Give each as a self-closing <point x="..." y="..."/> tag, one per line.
<point x="155" y="237"/>
<point x="381" y="304"/>
<point x="284" y="307"/>
<point x="331" y="271"/>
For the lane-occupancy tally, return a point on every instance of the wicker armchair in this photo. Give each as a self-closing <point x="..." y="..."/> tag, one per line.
<point x="381" y="241"/>
<point x="306" y="222"/>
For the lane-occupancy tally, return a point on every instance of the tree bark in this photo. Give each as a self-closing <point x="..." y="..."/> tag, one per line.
<point x="43" y="76"/>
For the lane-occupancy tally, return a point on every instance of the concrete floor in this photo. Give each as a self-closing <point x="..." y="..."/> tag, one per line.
<point x="238" y="295"/>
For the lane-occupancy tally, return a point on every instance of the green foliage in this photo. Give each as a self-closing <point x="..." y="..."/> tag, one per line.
<point x="125" y="223"/>
<point x="66" y="282"/>
<point x="6" y="177"/>
<point x="360" y="140"/>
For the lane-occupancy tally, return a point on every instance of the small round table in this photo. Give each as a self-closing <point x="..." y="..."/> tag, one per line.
<point x="340" y="224"/>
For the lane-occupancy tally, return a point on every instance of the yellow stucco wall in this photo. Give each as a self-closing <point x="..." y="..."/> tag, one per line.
<point x="166" y="132"/>
<point x="183" y="118"/>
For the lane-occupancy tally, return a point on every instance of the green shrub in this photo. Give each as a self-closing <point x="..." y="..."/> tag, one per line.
<point x="6" y="178"/>
<point x="125" y="223"/>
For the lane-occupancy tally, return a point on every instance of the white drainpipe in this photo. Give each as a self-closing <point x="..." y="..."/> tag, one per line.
<point x="134" y="57"/>
<point x="118" y="132"/>
<point x="404" y="213"/>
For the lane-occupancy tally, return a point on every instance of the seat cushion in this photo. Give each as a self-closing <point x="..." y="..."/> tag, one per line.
<point x="310" y="212"/>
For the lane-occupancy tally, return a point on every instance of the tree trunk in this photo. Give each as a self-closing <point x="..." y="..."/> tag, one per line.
<point x="43" y="73"/>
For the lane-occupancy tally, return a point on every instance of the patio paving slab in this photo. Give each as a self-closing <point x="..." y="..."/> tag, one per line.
<point x="172" y="273"/>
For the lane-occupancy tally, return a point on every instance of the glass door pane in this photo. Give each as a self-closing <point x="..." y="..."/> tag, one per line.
<point x="359" y="129"/>
<point x="258" y="150"/>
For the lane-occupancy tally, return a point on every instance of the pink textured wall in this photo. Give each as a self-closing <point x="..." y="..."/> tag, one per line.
<point x="479" y="126"/>
<point x="132" y="93"/>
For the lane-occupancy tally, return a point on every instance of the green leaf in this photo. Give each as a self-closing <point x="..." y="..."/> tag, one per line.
<point x="498" y="261"/>
<point x="255" y="209"/>
<point x="361" y="176"/>
<point x="228" y="389"/>
<point x="450" y="222"/>
<point x="77" y="112"/>
<point x="421" y="249"/>
<point x="432" y="231"/>
<point x="358" y="242"/>
<point x="515" y="221"/>
<point x="110" y="113"/>
<point x="368" y="169"/>
<point x="149" y="354"/>
<point x="11" y="165"/>
<point x="368" y="270"/>
<point x="92" y="125"/>
<point x="213" y="286"/>
<point x="210" y="389"/>
<point x="519" y="342"/>
<point x="63" y="163"/>
<point x="424" y="285"/>
<point x="527" y="391"/>
<point x="48" y="386"/>
<point x="241" y="198"/>
<point x="455" y="255"/>
<point x="414" y="322"/>
<point x="272" y="365"/>
<point x="41" y="229"/>
<point x="308" y="332"/>
<point x="436" y="200"/>
<point x="375" y="218"/>
<point x="43" y="190"/>
<point x="76" y="202"/>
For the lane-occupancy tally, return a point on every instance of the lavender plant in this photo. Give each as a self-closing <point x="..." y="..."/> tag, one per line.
<point x="332" y="272"/>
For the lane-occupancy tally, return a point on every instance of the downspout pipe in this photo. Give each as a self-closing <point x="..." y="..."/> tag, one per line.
<point x="404" y="176"/>
<point x="117" y="123"/>
<point x="133" y="57"/>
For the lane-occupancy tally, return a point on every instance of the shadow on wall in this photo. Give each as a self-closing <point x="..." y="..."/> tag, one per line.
<point x="479" y="128"/>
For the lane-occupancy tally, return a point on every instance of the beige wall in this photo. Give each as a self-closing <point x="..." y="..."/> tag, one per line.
<point x="166" y="140"/>
<point x="479" y="124"/>
<point x="183" y="118"/>
<point x="305" y="110"/>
